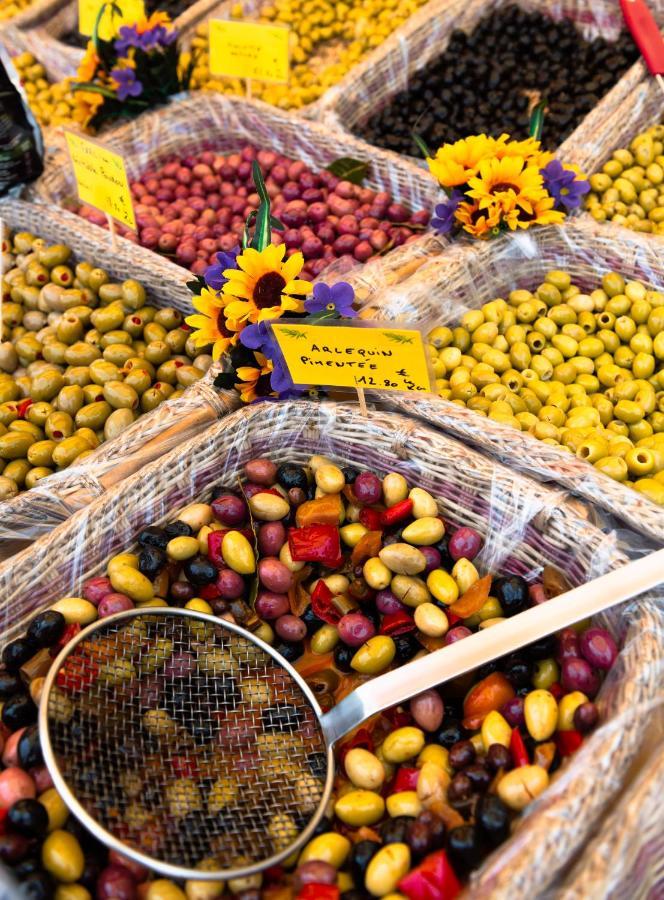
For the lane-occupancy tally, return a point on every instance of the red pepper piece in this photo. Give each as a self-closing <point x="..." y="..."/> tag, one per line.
<point x="77" y="674"/>
<point x="23" y="407"/>
<point x="69" y="632"/>
<point x="452" y="618"/>
<point x="397" y="623"/>
<point x="557" y="690"/>
<point x="184" y="767"/>
<point x="397" y="513"/>
<point x="362" y="738"/>
<point x="315" y="891"/>
<point x="568" y="742"/>
<point x="3" y="815"/>
<point x="405" y="780"/>
<point x="274" y="873"/>
<point x="371" y="518"/>
<point x="209" y="592"/>
<point x="322" y="605"/>
<point x="316" y="543"/>
<point x="397" y="718"/>
<point x="433" y="879"/>
<point x="518" y="749"/>
<point x="215" y="539"/>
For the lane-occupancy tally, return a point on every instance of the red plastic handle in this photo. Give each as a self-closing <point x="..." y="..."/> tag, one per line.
<point x="646" y="34"/>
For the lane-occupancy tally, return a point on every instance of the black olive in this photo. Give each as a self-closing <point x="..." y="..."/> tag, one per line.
<point x="360" y="857"/>
<point x="465" y="848"/>
<point x="13" y="848"/>
<point x="178" y="529"/>
<point x="394" y="831"/>
<point x="479" y="776"/>
<point x="517" y="671"/>
<point x="291" y="476"/>
<point x="27" y="867"/>
<point x="283" y="717"/>
<point x="200" y="571"/>
<point x="151" y="561"/>
<point x="311" y="620"/>
<point x="47" y="628"/>
<point x="153" y="536"/>
<point x="498" y="757"/>
<point x="290" y="651"/>
<point x="449" y="733"/>
<point x="93" y="868"/>
<point x="493" y="819"/>
<point x="350" y="474"/>
<point x="181" y="592"/>
<point x="462" y="754"/>
<point x="323" y="826"/>
<point x="28" y="817"/>
<point x="443" y="548"/>
<point x="29" y="748"/>
<point x="10" y="684"/>
<point x="17" y="653"/>
<point x="545" y="648"/>
<point x="343" y="655"/>
<point x="406" y="646"/>
<point x="19" y="710"/>
<point x="512" y="593"/>
<point x="37" y="886"/>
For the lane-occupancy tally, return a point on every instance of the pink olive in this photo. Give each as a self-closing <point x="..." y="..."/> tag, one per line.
<point x="229" y="509"/>
<point x="95" y="589"/>
<point x="116" y="883"/>
<point x="261" y="471"/>
<point x="271" y="538"/>
<point x="15" y="784"/>
<point x="274" y="575"/>
<point x="291" y="628"/>
<point x="229" y="584"/>
<point x="270" y="605"/>
<point x="10" y="753"/>
<point x="427" y="709"/>
<point x="114" y="603"/>
<point x="355" y="629"/>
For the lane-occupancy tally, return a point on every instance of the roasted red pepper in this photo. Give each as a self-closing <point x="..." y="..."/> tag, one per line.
<point x="69" y="632"/>
<point x="397" y="513"/>
<point x="518" y="749"/>
<point x="315" y="891"/>
<point x="452" y="618"/>
<point x="568" y="742"/>
<point x="433" y="879"/>
<point x="371" y="518"/>
<point x="397" y="623"/>
<point x="322" y="605"/>
<point x="316" y="543"/>
<point x="397" y="717"/>
<point x="209" y="592"/>
<point x="362" y="738"/>
<point x="556" y="690"/>
<point x="23" y="407"/>
<point x="215" y="540"/>
<point x="405" y="780"/>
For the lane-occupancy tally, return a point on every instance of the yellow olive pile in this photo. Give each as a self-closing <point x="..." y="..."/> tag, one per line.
<point x="81" y="357"/>
<point x="327" y="40"/>
<point x="581" y="371"/>
<point x="11" y="8"/>
<point x="629" y="190"/>
<point x="52" y="103"/>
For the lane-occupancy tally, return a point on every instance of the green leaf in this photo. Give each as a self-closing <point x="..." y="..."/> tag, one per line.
<point x="262" y="232"/>
<point x="294" y="333"/>
<point x="277" y="223"/>
<point x="398" y="338"/>
<point x="537" y="120"/>
<point x="349" y="169"/>
<point x="424" y="150"/>
<point x="197" y="285"/>
<point x="245" y="234"/>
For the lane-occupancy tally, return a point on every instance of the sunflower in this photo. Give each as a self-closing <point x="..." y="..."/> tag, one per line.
<point x="526" y="149"/>
<point x="210" y="324"/>
<point x="455" y="163"/>
<point x="157" y="18"/>
<point x="507" y="181"/>
<point x="541" y="212"/>
<point x="264" y="286"/>
<point x="254" y="380"/>
<point x="478" y="221"/>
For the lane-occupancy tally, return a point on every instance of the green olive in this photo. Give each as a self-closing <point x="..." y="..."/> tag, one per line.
<point x="118" y="354"/>
<point x="93" y="337"/>
<point x="23" y="427"/>
<point x="83" y="270"/>
<point x="28" y="348"/>
<point x="108" y="318"/>
<point x="67" y="451"/>
<point x="58" y="426"/>
<point x="96" y="278"/>
<point x="9" y="391"/>
<point x="134" y="324"/>
<point x="36" y="274"/>
<point x="62" y="275"/>
<point x="70" y="299"/>
<point x="54" y="352"/>
<point x="133" y="293"/>
<point x="81" y="354"/>
<point x="35" y="475"/>
<point x="102" y="372"/>
<point x="55" y="255"/>
<point x="17" y="470"/>
<point x="47" y="385"/>
<point x="167" y="371"/>
<point x="120" y="395"/>
<point x="137" y="362"/>
<point x="176" y="340"/>
<point x="187" y="375"/>
<point x="71" y="398"/>
<point x="93" y="393"/>
<point x="14" y="445"/>
<point x="140" y="380"/>
<point x="151" y="399"/>
<point x="79" y="375"/>
<point x="93" y="415"/>
<point x="38" y="413"/>
<point x="154" y="333"/>
<point x="118" y="421"/>
<point x="41" y="453"/>
<point x="69" y="329"/>
<point x="157" y="352"/>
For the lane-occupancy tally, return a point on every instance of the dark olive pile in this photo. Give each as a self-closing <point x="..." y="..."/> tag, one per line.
<point x="488" y="81"/>
<point x="174" y="8"/>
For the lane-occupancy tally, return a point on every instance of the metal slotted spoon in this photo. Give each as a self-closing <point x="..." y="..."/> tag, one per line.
<point x="194" y="748"/>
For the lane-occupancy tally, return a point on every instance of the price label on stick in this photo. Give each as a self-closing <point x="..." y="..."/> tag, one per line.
<point x="101" y="178"/>
<point x="353" y="356"/>
<point x="130" y="11"/>
<point x="248" y="50"/>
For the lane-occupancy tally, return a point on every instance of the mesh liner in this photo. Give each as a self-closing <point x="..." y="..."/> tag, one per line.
<point x="426" y="35"/>
<point x="187" y="741"/>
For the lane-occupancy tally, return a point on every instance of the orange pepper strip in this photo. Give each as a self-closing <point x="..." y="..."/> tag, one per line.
<point x="321" y="511"/>
<point x="488" y="694"/>
<point x="310" y="663"/>
<point x="473" y="600"/>
<point x="367" y="546"/>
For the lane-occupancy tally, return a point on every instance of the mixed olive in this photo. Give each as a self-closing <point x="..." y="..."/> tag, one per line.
<point x="53" y="103"/>
<point x="346" y="574"/>
<point x="81" y="357"/>
<point x="579" y="368"/>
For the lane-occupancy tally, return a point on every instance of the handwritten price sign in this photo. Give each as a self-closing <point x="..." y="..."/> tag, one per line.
<point x="387" y="359"/>
<point x="101" y="178"/>
<point x="130" y="11"/>
<point x="248" y="50"/>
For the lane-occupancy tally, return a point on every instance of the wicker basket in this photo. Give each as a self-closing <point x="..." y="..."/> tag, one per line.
<point x="470" y="274"/>
<point x="424" y="37"/>
<point x="39" y="11"/>
<point x="56" y="497"/>
<point x="525" y="526"/>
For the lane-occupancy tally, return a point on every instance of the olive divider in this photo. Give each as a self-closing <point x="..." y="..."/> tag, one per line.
<point x="491" y="643"/>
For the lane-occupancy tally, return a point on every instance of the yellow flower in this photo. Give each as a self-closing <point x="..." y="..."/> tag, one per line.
<point x="86" y="104"/>
<point x="210" y="323"/>
<point x="528" y="148"/>
<point x="455" y="163"/>
<point x="541" y="212"/>
<point x="264" y="286"/>
<point x="89" y="63"/>
<point x="508" y="181"/>
<point x="478" y="221"/>
<point x="250" y="377"/>
<point x="157" y="18"/>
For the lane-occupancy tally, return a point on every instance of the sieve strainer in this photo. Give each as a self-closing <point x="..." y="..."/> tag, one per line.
<point x="193" y="747"/>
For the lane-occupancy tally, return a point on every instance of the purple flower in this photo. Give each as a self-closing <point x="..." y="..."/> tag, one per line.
<point x="443" y="220"/>
<point x="128" y="37"/>
<point x="127" y="84"/>
<point x="214" y="274"/>
<point x="338" y="297"/>
<point x="259" y="337"/>
<point x="563" y="185"/>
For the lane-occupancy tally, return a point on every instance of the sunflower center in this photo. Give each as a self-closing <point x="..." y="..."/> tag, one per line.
<point x="268" y="290"/>
<point x="221" y="325"/>
<point x="526" y="216"/>
<point x="502" y="186"/>
<point x="476" y="215"/>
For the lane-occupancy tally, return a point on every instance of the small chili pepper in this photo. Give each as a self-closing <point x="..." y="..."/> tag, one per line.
<point x="518" y="749"/>
<point x="214" y="542"/>
<point x="568" y="742"/>
<point x="322" y="604"/>
<point x="371" y="518"/>
<point x="362" y="738"/>
<point x="316" y="543"/>
<point x="397" y="623"/>
<point x="23" y="407"/>
<point x="397" y="513"/>
<point x="405" y="780"/>
<point x="315" y="891"/>
<point x="433" y="879"/>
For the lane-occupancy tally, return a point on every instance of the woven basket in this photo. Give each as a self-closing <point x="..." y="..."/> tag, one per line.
<point x="424" y="37"/>
<point x="470" y="274"/>
<point x="56" y="497"/>
<point x="37" y="12"/>
<point x="525" y="526"/>
<point x="209" y="120"/>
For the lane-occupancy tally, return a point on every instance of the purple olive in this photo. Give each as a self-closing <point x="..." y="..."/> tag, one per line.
<point x="291" y="628"/>
<point x="568" y="645"/>
<point x="229" y="584"/>
<point x="512" y="710"/>
<point x="368" y="488"/>
<point x="271" y="606"/>
<point x="261" y="471"/>
<point x="458" y="633"/>
<point x="466" y="543"/>
<point x="585" y="717"/>
<point x="598" y="648"/>
<point x="114" y="603"/>
<point x="116" y="883"/>
<point x="355" y="629"/>
<point x="427" y="709"/>
<point x="314" y="872"/>
<point x="95" y="589"/>
<point x="577" y="675"/>
<point x="274" y="575"/>
<point x="387" y="603"/>
<point x="271" y="538"/>
<point x="433" y="558"/>
<point x="229" y="509"/>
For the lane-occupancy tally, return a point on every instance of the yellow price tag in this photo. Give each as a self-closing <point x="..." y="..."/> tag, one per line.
<point x="387" y="359"/>
<point x="248" y="50"/>
<point x="131" y="11"/>
<point x="101" y="178"/>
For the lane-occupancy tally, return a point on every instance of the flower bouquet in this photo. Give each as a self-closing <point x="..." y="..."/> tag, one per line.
<point x="133" y="72"/>
<point x="246" y="289"/>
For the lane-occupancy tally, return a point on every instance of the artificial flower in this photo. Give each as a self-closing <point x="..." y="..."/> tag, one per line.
<point x="214" y="274"/>
<point x="89" y="63"/>
<point x="509" y="181"/>
<point x="254" y="380"/>
<point x="86" y="105"/>
<point x="210" y="324"/>
<point x="455" y="163"/>
<point x="542" y="212"/>
<point x="505" y="147"/>
<point x="157" y="18"/>
<point x="478" y="221"/>
<point x="126" y="83"/>
<point x="563" y="185"/>
<point x="264" y="286"/>
<point x="332" y="298"/>
<point x="443" y="219"/>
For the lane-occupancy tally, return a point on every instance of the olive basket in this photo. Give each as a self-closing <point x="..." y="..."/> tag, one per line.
<point x="525" y="525"/>
<point x="372" y="83"/>
<point x="38" y="11"/>
<point x="38" y="510"/>
<point x="473" y="273"/>
<point x="209" y="120"/>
